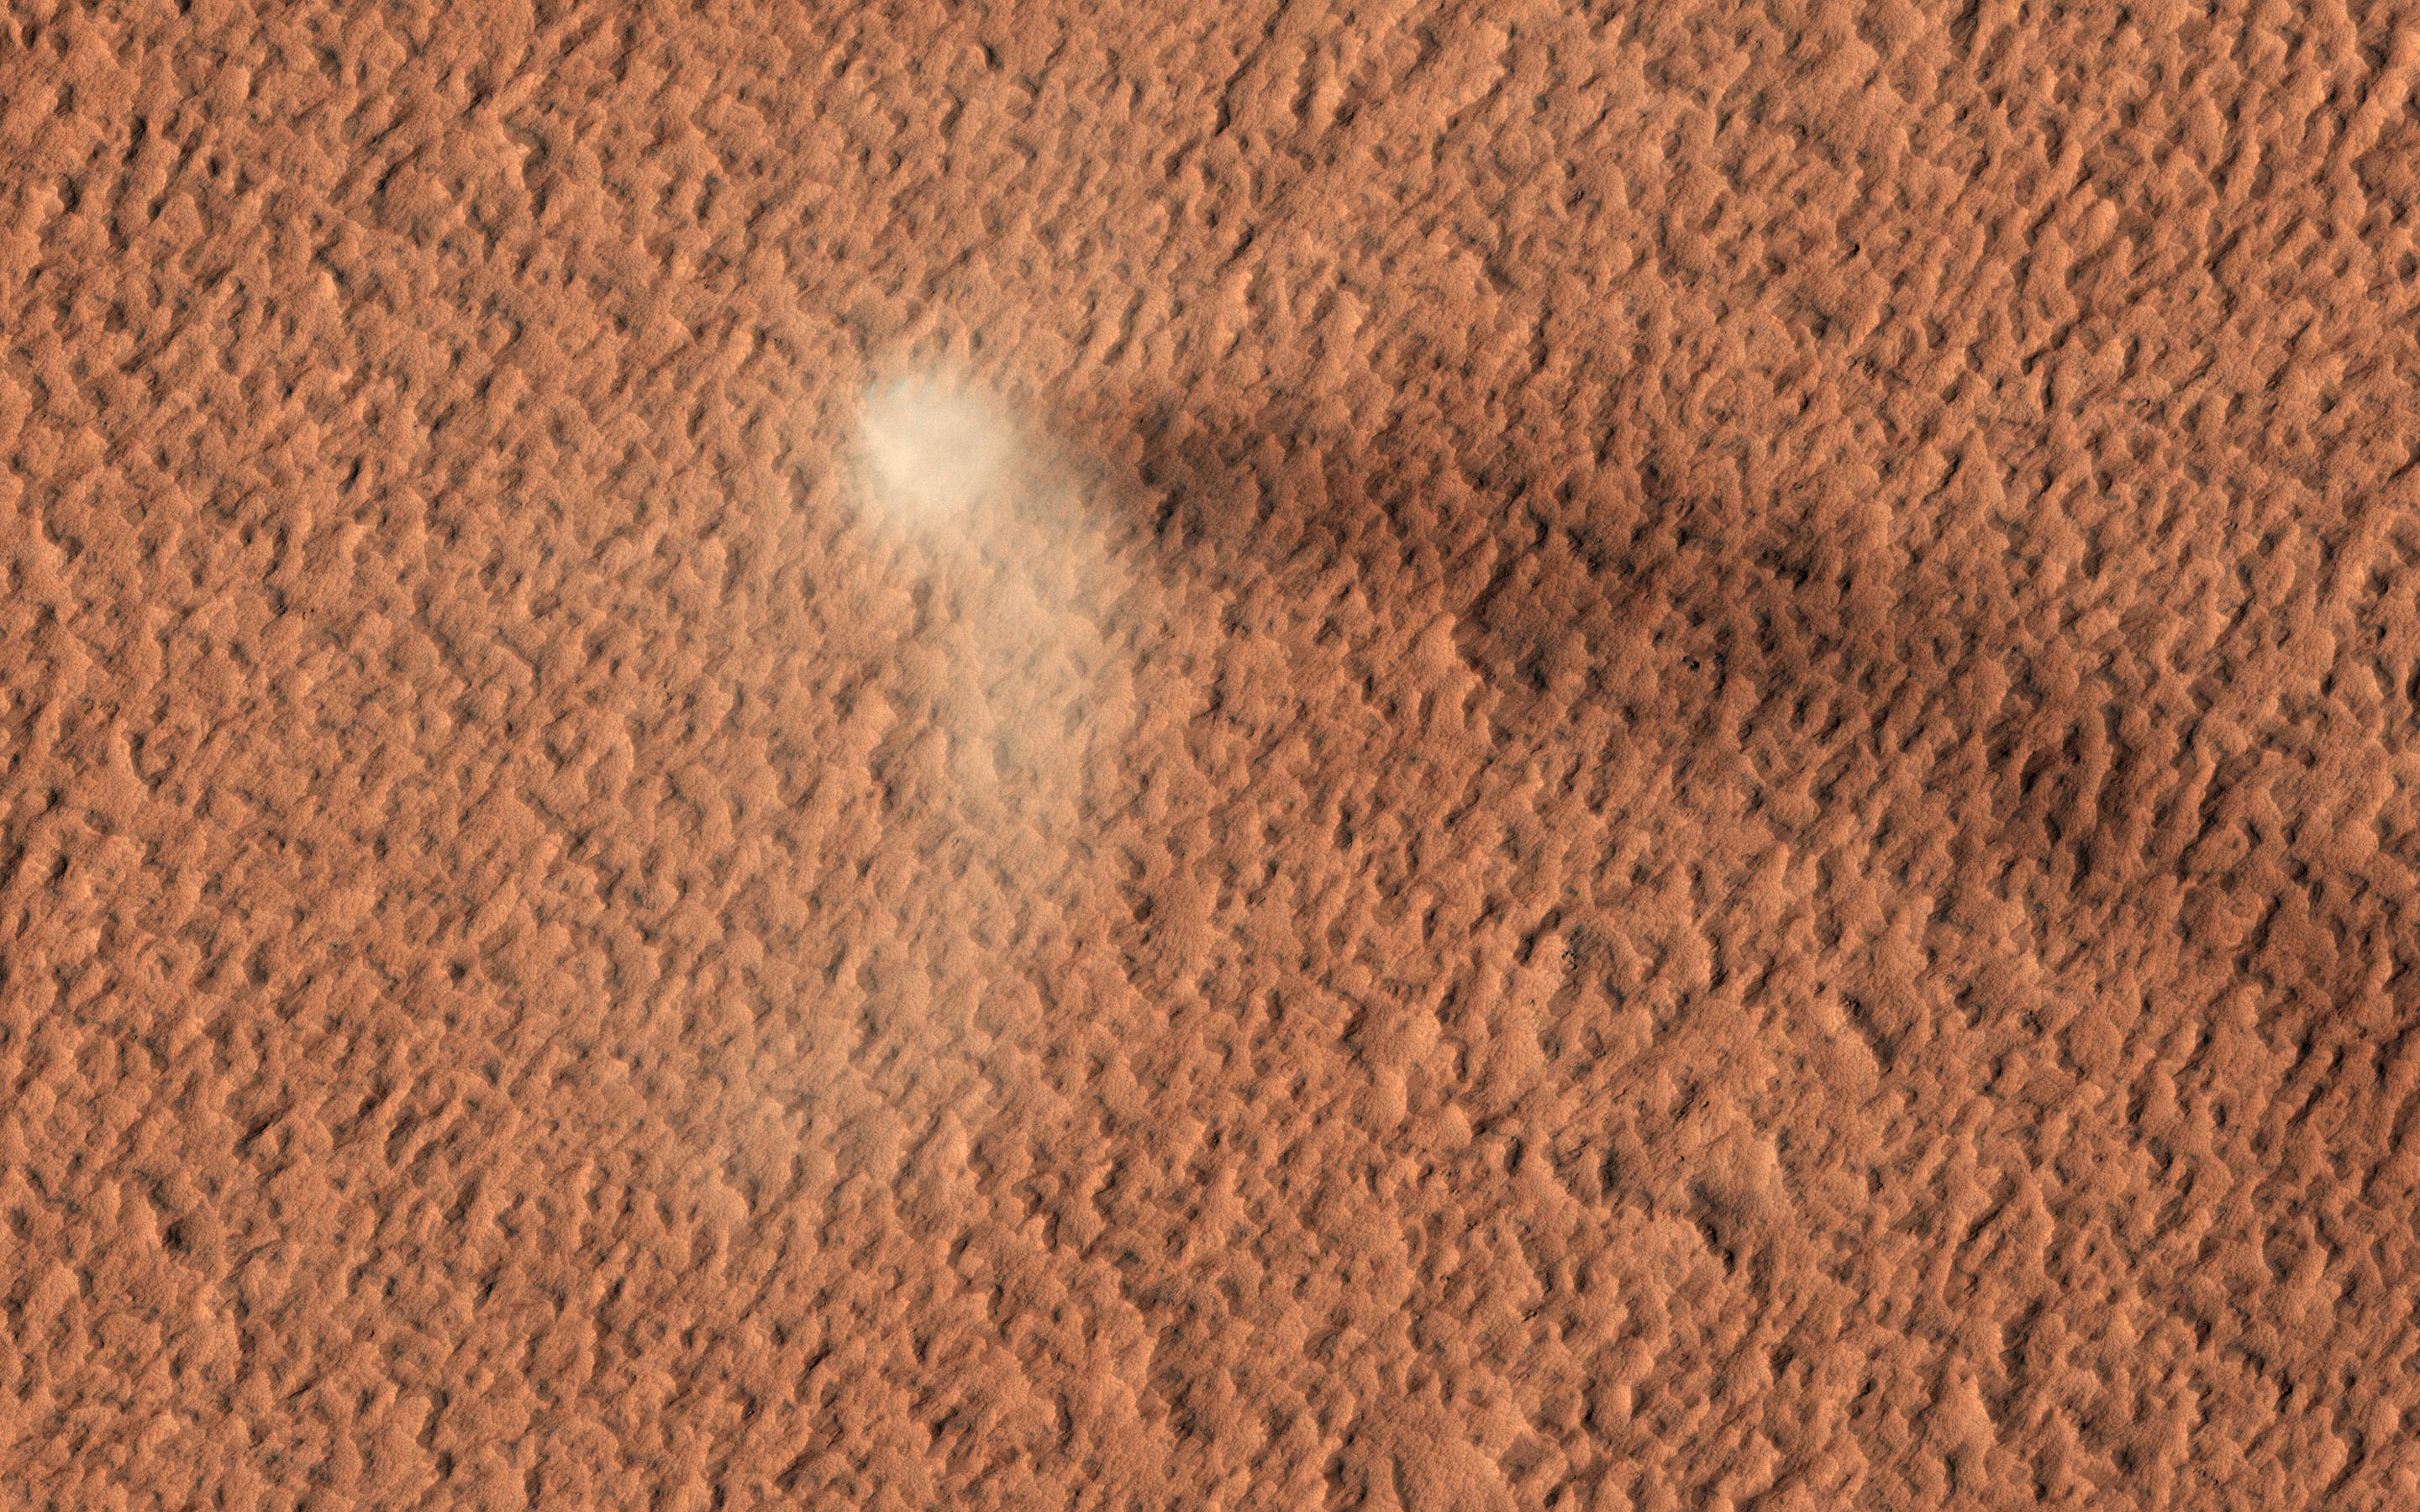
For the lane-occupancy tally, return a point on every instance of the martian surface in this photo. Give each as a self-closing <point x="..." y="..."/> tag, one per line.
<point x="1415" y="755"/>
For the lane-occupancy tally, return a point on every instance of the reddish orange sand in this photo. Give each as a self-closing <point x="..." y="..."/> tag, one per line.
<point x="1678" y="771"/>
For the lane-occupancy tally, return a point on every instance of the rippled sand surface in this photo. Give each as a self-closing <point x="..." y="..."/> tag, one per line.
<point x="1414" y="756"/>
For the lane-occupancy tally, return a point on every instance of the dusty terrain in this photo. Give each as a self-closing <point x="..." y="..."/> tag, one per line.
<point x="1417" y="756"/>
